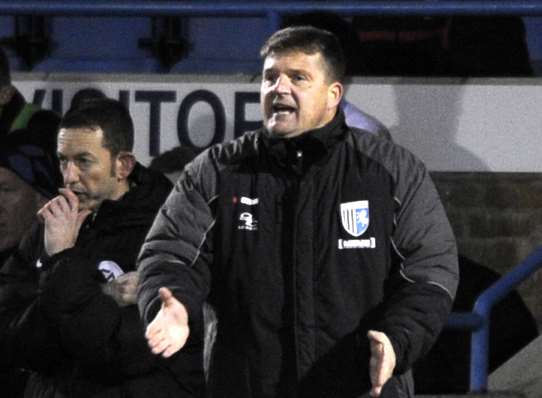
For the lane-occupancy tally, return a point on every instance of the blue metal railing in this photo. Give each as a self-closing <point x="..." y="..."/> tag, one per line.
<point x="478" y="320"/>
<point x="272" y="10"/>
<point x="244" y="7"/>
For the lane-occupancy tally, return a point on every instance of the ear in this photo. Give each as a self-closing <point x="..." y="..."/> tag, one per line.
<point x="124" y="163"/>
<point x="335" y="94"/>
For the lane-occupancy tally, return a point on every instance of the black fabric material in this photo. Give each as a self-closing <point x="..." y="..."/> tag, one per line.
<point x="56" y="322"/>
<point x="257" y="223"/>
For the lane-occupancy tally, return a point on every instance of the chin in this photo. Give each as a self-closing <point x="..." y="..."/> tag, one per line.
<point x="85" y="206"/>
<point x="281" y="132"/>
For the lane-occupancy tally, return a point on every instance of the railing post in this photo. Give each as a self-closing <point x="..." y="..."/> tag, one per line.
<point x="479" y="358"/>
<point x="483" y="306"/>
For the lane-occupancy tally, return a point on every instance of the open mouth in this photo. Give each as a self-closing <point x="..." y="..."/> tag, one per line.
<point x="282" y="109"/>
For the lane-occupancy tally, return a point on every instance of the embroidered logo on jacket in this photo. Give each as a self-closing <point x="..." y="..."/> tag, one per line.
<point x="110" y="270"/>
<point x="249" y="201"/>
<point x="247" y="222"/>
<point x="355" y="221"/>
<point x="355" y="217"/>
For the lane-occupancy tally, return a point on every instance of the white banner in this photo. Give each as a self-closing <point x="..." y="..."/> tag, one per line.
<point x="452" y="125"/>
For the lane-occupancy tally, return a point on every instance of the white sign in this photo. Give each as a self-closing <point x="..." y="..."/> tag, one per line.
<point x="452" y="125"/>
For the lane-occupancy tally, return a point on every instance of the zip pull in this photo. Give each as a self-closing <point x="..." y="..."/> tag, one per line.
<point x="298" y="163"/>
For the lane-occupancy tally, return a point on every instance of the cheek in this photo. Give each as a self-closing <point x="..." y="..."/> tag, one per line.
<point x="265" y="102"/>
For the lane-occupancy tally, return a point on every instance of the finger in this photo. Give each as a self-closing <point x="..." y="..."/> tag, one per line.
<point x="376" y="361"/>
<point x="377" y="374"/>
<point x="41" y="214"/>
<point x="44" y="207"/>
<point x="170" y="351"/>
<point x="54" y="208"/>
<point x="45" y="212"/>
<point x="154" y="339"/>
<point x="72" y="198"/>
<point x="62" y="204"/>
<point x="376" y="336"/>
<point x="375" y="391"/>
<point x="152" y="330"/>
<point x="160" y="346"/>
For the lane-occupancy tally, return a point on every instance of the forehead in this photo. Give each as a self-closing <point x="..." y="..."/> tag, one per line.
<point x="297" y="60"/>
<point x="73" y="141"/>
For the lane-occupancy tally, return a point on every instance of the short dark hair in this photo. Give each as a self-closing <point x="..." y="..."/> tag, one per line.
<point x="173" y="160"/>
<point x="309" y="40"/>
<point x="107" y="114"/>
<point x="84" y="95"/>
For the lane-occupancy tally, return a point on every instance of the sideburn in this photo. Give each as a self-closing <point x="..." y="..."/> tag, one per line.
<point x="113" y="171"/>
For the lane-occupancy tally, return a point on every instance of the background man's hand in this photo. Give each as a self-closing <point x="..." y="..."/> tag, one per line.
<point x="123" y="289"/>
<point x="62" y="221"/>
<point x="382" y="361"/>
<point x="168" y="331"/>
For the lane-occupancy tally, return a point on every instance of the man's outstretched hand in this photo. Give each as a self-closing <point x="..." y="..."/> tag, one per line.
<point x="382" y="361"/>
<point x="168" y="331"/>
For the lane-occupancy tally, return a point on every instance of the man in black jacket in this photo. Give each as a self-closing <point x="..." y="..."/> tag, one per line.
<point x="325" y="250"/>
<point x="29" y="177"/>
<point x="67" y="295"/>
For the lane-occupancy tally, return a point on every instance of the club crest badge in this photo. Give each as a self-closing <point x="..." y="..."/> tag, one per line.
<point x="355" y="217"/>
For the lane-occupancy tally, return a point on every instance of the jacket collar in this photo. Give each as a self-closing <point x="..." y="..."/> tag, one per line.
<point x="148" y="190"/>
<point x="301" y="152"/>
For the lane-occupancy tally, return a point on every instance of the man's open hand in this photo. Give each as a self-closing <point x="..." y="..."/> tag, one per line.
<point x="382" y="362"/>
<point x="168" y="331"/>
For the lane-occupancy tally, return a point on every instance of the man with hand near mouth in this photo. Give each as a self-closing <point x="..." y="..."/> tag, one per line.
<point x="67" y="296"/>
<point x="324" y="249"/>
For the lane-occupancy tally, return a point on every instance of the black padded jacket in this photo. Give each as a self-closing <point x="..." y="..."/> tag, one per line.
<point x="302" y="245"/>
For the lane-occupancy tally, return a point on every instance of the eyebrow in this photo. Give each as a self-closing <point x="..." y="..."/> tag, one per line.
<point x="77" y="155"/>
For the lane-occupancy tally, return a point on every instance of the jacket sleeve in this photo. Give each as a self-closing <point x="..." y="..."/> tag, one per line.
<point x="93" y="329"/>
<point x="421" y="287"/>
<point x="178" y="249"/>
<point x="27" y="338"/>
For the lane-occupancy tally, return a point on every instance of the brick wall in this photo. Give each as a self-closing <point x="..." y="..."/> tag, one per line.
<point x="497" y="219"/>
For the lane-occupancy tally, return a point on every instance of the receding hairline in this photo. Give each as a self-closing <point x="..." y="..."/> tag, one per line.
<point x="330" y="76"/>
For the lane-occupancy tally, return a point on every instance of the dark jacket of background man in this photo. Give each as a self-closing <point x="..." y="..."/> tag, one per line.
<point x="108" y="359"/>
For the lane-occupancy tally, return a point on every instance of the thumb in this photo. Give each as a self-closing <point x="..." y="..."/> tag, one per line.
<point x="165" y="295"/>
<point x="376" y="337"/>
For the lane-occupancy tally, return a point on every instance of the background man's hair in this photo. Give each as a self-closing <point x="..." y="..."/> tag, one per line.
<point x="5" y="74"/>
<point x="173" y="160"/>
<point x="107" y="114"/>
<point x="84" y="95"/>
<point x="309" y="40"/>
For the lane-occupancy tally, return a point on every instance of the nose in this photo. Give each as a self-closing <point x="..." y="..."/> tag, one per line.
<point x="282" y="85"/>
<point x="70" y="174"/>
